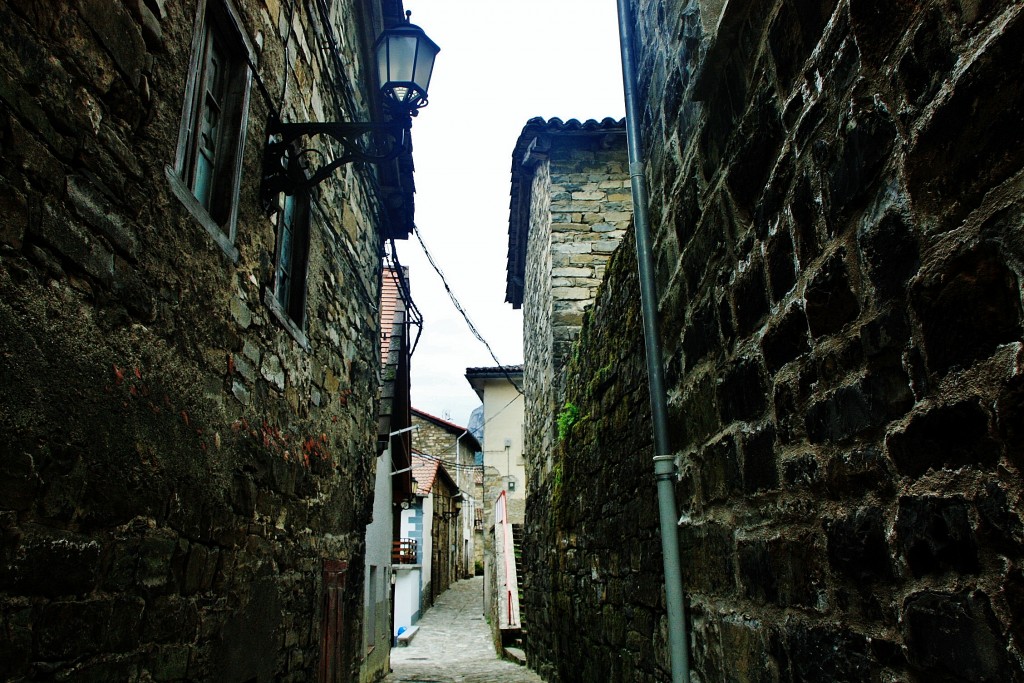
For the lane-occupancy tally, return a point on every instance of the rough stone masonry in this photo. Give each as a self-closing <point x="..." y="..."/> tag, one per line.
<point x="178" y="462"/>
<point x="837" y="197"/>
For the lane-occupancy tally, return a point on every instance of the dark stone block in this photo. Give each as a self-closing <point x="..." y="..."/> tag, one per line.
<point x="154" y="560"/>
<point x="705" y="248"/>
<point x="950" y="635"/>
<point x="19" y="482"/>
<point x="968" y="309"/>
<point x="781" y="265"/>
<point x="762" y="134"/>
<point x="698" y="413"/>
<point x="1013" y="591"/>
<point x="948" y="436"/>
<point x="929" y="60"/>
<point x="1010" y="418"/>
<point x="935" y="535"/>
<point x="789" y="423"/>
<point x="773" y="201"/>
<point x="687" y="213"/>
<point x="878" y="24"/>
<point x="720" y="470"/>
<point x="84" y="251"/>
<point x="892" y="253"/>
<point x="856" y="472"/>
<point x="757" y="580"/>
<point x="199" y="569"/>
<point x="706" y="555"/>
<point x="857" y="545"/>
<point x="869" y="138"/>
<point x="66" y="630"/>
<point x="833" y="363"/>
<point x="171" y="618"/>
<point x="888" y="390"/>
<point x="805" y="212"/>
<point x="748" y="647"/>
<point x="788" y="46"/>
<point x="1000" y="525"/>
<point x="169" y="662"/>
<point x="801" y="472"/>
<point x="887" y="334"/>
<point x="702" y="335"/>
<point x="846" y="413"/>
<point x="825" y="654"/>
<point x="784" y="572"/>
<point x="786" y="340"/>
<point x="52" y="565"/>
<point x="750" y="300"/>
<point x="952" y="166"/>
<point x="830" y="300"/>
<point x="743" y="392"/>
<point x="14" y="208"/>
<point x="133" y="290"/>
<point x="760" y="464"/>
<point x="119" y="34"/>
<point x="16" y="645"/>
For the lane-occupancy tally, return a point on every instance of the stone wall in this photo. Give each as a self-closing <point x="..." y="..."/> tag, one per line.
<point x="579" y="207"/>
<point x="592" y="595"/>
<point x="176" y="465"/>
<point x="440" y="442"/>
<point x="836" y="205"/>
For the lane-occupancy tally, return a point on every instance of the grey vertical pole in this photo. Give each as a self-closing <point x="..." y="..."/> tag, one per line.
<point x="664" y="462"/>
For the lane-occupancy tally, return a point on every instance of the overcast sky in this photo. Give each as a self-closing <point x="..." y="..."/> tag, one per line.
<point x="501" y="63"/>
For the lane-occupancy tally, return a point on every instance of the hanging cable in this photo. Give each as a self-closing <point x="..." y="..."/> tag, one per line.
<point x="463" y="313"/>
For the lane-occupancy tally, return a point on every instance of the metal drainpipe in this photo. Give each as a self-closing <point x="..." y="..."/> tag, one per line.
<point x="664" y="463"/>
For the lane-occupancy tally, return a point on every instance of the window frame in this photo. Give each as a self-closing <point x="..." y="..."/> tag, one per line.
<point x="292" y="314"/>
<point x="217" y="21"/>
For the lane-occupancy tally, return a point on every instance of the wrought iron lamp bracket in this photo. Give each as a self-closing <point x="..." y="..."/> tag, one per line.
<point x="288" y="169"/>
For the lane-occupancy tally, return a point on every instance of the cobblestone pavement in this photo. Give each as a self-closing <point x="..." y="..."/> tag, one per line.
<point x="454" y="644"/>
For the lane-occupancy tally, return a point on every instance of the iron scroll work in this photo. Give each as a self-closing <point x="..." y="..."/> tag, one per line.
<point x="288" y="167"/>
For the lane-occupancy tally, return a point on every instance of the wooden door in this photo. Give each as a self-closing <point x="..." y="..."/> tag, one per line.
<point x="332" y="633"/>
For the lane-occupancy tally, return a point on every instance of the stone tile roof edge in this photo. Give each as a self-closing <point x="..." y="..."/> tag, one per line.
<point x="517" y="219"/>
<point x="497" y="370"/>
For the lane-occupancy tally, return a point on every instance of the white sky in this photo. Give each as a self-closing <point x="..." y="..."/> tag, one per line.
<point x="501" y="63"/>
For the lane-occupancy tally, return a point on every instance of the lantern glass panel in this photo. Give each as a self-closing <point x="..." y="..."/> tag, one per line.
<point x="401" y="58"/>
<point x="424" y="64"/>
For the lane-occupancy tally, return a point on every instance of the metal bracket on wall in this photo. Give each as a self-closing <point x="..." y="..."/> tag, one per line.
<point x="288" y="168"/>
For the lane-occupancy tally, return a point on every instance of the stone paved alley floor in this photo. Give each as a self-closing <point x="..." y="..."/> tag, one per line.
<point x="454" y="645"/>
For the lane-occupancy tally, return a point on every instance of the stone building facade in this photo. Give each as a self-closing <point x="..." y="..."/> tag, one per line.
<point x="189" y="387"/>
<point x="570" y="207"/>
<point x="836" y="203"/>
<point x="456" y="447"/>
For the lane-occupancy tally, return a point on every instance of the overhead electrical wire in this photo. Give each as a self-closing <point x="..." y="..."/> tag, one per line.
<point x="463" y="313"/>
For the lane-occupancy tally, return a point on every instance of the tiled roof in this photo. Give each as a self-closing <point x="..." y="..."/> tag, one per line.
<point x="426" y="470"/>
<point x="531" y="143"/>
<point x="389" y="298"/>
<point x="498" y="370"/>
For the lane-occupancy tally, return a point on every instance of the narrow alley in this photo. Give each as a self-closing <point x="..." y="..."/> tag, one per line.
<point x="453" y="644"/>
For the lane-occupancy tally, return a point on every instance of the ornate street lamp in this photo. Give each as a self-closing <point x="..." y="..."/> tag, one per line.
<point x="405" y="60"/>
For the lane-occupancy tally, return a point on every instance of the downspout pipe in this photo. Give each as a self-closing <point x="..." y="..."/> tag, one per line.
<point x="664" y="462"/>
